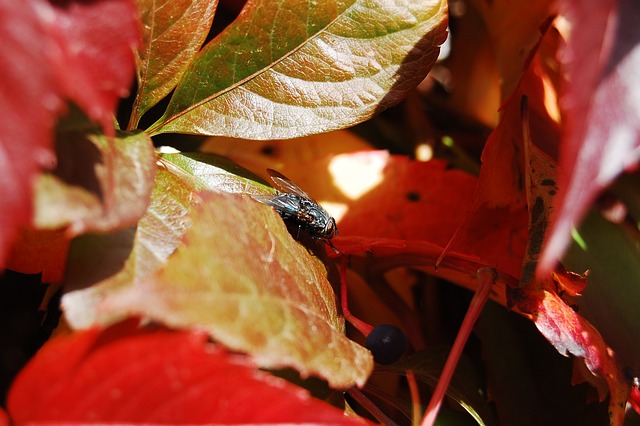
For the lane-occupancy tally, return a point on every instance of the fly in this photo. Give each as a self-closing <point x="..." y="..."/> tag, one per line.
<point x="294" y="205"/>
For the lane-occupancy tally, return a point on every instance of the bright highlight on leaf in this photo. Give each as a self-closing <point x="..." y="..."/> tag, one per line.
<point x="282" y="71"/>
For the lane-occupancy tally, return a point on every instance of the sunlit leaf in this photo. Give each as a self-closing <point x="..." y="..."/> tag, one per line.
<point x="379" y="198"/>
<point x="281" y="71"/>
<point x="99" y="183"/>
<point x="148" y="375"/>
<point x="173" y="33"/>
<point x="219" y="173"/>
<point x="101" y="264"/>
<point x="240" y="277"/>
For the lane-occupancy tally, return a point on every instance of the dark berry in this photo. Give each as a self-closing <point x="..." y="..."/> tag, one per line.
<point x="387" y="343"/>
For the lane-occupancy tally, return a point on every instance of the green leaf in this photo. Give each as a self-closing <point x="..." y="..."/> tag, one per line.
<point x="288" y="69"/>
<point x="241" y="277"/>
<point x="215" y="172"/>
<point x="611" y="254"/>
<point x="99" y="183"/>
<point x="174" y="31"/>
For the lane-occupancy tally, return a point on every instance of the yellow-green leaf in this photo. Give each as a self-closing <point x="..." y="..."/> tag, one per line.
<point x="240" y="277"/>
<point x="99" y="183"/>
<point x="288" y="69"/>
<point x="173" y="32"/>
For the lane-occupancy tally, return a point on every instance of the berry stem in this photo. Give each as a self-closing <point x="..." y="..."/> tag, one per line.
<point x="486" y="277"/>
<point x="360" y="325"/>
<point x="415" y="397"/>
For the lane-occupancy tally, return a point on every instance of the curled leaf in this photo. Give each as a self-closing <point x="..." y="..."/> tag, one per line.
<point x="100" y="183"/>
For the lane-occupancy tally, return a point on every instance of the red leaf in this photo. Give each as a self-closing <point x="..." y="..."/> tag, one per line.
<point x="93" y="59"/>
<point x="634" y="398"/>
<point x="28" y="106"/>
<point x="570" y="282"/>
<point x="40" y="252"/>
<point x="601" y="135"/>
<point x="251" y="287"/>
<point x="572" y="334"/>
<point x="413" y="200"/>
<point x="386" y="198"/>
<point x="4" y="418"/>
<point x="152" y="375"/>
<point x="50" y="53"/>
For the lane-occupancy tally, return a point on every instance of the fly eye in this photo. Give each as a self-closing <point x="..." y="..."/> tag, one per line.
<point x="332" y="227"/>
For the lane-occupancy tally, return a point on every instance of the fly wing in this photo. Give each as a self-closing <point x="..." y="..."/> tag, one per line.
<point x="284" y="184"/>
<point x="281" y="203"/>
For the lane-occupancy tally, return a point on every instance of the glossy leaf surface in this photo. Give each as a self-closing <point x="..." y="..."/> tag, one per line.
<point x="281" y="71"/>
<point x="173" y="34"/>
<point x="102" y="264"/>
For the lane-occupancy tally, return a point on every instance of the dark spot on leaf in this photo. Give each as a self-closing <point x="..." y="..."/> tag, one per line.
<point x="537" y="210"/>
<point x="268" y="150"/>
<point x="413" y="196"/>
<point x="538" y="226"/>
<point x="528" y="271"/>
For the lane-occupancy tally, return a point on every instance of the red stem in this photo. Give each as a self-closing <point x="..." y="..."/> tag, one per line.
<point x="360" y="325"/>
<point x="486" y="277"/>
<point x="415" y="397"/>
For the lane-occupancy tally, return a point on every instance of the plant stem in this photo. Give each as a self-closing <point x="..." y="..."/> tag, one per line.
<point x="486" y="277"/>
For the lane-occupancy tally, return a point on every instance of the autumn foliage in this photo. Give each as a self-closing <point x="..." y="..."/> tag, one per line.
<point x="492" y="150"/>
